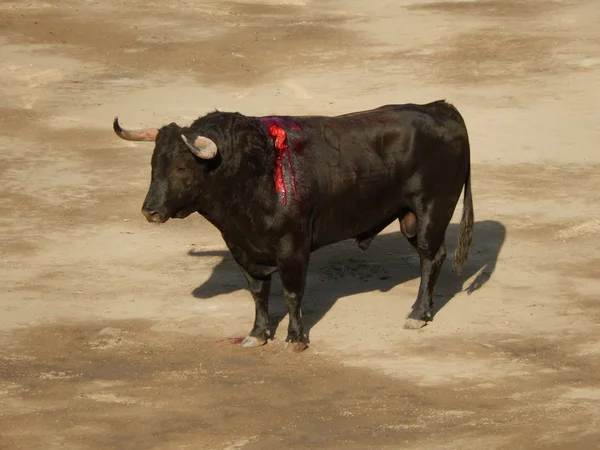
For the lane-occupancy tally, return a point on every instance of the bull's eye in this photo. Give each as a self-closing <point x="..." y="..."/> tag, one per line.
<point x="181" y="170"/>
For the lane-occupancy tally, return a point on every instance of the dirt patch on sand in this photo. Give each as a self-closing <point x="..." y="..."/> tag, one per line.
<point x="236" y="43"/>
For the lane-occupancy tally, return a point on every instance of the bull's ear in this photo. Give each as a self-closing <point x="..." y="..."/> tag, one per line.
<point x="202" y="147"/>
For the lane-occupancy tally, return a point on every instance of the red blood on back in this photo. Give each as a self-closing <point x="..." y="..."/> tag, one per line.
<point x="277" y="131"/>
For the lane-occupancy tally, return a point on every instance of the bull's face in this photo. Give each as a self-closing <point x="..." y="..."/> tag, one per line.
<point x="178" y="170"/>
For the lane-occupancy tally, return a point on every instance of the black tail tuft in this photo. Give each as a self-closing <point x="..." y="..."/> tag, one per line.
<point x="465" y="235"/>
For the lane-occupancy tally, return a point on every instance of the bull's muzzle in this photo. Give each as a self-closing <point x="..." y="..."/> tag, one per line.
<point x="154" y="216"/>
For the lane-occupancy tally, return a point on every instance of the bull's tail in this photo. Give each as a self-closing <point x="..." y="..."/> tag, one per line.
<point x="465" y="235"/>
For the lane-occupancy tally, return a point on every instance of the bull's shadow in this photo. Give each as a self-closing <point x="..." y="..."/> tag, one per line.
<point x="341" y="270"/>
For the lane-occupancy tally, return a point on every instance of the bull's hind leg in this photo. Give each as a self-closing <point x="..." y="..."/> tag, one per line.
<point x="426" y="234"/>
<point x="431" y="263"/>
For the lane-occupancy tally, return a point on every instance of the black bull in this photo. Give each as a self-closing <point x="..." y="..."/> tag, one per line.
<point x="281" y="187"/>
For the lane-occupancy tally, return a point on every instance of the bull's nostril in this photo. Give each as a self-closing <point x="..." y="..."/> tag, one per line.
<point x="153" y="215"/>
<point x="150" y="215"/>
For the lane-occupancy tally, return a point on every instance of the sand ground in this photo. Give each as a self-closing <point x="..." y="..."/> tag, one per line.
<point x="116" y="333"/>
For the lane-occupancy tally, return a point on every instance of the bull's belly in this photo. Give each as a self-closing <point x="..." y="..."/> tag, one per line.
<point x="346" y="221"/>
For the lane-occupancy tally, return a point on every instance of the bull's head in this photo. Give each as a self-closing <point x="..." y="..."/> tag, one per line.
<point x="178" y="169"/>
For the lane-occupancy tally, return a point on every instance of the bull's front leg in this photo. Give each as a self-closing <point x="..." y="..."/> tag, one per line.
<point x="292" y="263"/>
<point x="260" y="290"/>
<point x="259" y="283"/>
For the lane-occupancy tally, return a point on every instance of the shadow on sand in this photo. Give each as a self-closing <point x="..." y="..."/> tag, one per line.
<point x="342" y="269"/>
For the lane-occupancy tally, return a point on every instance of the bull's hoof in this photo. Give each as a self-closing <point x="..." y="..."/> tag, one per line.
<point x="253" y="341"/>
<point x="296" y="347"/>
<point x="414" y="324"/>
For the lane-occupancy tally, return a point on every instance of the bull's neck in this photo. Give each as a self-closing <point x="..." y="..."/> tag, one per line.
<point x="229" y="199"/>
<point x="241" y="187"/>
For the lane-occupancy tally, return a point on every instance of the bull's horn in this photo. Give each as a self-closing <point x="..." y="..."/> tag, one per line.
<point x="148" y="134"/>
<point x="202" y="147"/>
